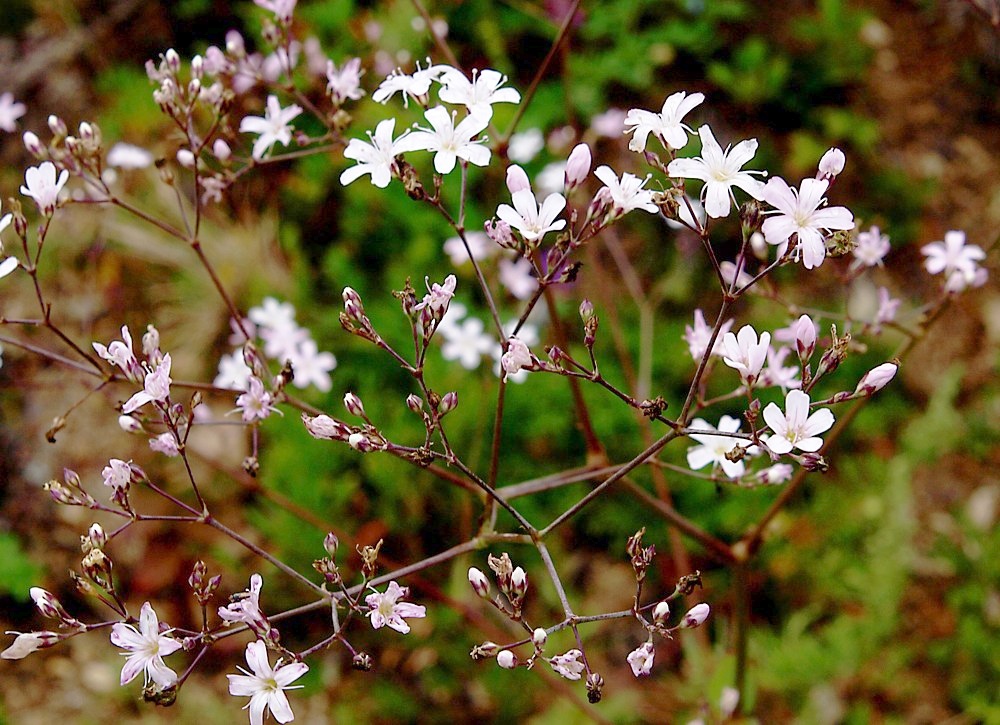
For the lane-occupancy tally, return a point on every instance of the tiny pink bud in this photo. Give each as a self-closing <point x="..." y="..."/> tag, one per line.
<point x="578" y="166"/>
<point x="129" y="424"/>
<point x="96" y="536"/>
<point x="86" y="131"/>
<point x="57" y="126"/>
<point x="517" y="180"/>
<point x="831" y="164"/>
<point x="877" y="378"/>
<point x="33" y="145"/>
<point x="696" y="616"/>
<point x="354" y="405"/>
<point x="480" y="584"/>
<point x="414" y="403"/>
<point x="448" y="403"/>
<point x="173" y="60"/>
<point x="507" y="659"/>
<point x="805" y="337"/>
<point x="185" y="158"/>
<point x="661" y="613"/>
<point x="330" y="544"/>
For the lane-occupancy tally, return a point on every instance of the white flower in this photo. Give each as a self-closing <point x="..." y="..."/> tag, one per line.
<point x="415" y="85"/>
<point x="568" y="665"/>
<point x="438" y="296"/>
<point x="312" y="367"/>
<point x="233" y="372"/>
<point x="466" y="342"/>
<point x="387" y="610"/>
<point x="245" y="606"/>
<point x="256" y="403"/>
<point x="10" y="111"/>
<point x="778" y="473"/>
<point x="376" y="158"/>
<point x="626" y="193"/>
<point x="344" y="83"/>
<point x="957" y="260"/>
<point x="146" y="649"/>
<point x="795" y="428"/>
<point x="517" y="276"/>
<point x="641" y="659"/>
<point x="831" y="164"/>
<point x="533" y="222"/>
<point x="448" y="141"/>
<point x="156" y="387"/>
<point x="525" y="146"/>
<point x="480" y="245"/>
<point x="265" y="686"/>
<point x="117" y="474"/>
<point x="479" y="94"/>
<point x="127" y="156"/>
<point x="665" y="125"/>
<point x="42" y="186"/>
<point x="713" y="448"/>
<point x="120" y="353"/>
<point x="746" y="352"/>
<point x="871" y="249"/>
<point x="802" y="213"/>
<point x="720" y="170"/>
<point x="518" y="356"/>
<point x="273" y="127"/>
<point x="887" y="307"/>
<point x="166" y="444"/>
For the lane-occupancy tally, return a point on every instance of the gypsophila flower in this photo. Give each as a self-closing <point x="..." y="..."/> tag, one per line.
<point x="802" y="212"/>
<point x="872" y="246"/>
<point x="165" y="443"/>
<point x="10" y="111"/>
<point x="387" y="610"/>
<point x="273" y="127"/>
<point x="312" y="367"/>
<point x="156" y="387"/>
<point x="778" y="473"/>
<point x="416" y="85"/>
<point x="233" y="372"/>
<point x="831" y="164"/>
<point x="795" y="428"/>
<point x="698" y="335"/>
<point x="480" y="245"/>
<point x="877" y="378"/>
<point x="27" y="642"/>
<point x="42" y="185"/>
<point x="127" y="156"/>
<point x="958" y="261"/>
<point x="117" y="474"/>
<point x="526" y="216"/>
<point x="568" y="665"/>
<point x="438" y="296"/>
<point x="447" y="141"/>
<point x="245" y="607"/>
<point x="641" y="659"/>
<point x="746" y="352"/>
<point x="626" y="193"/>
<point x="265" y="686"/>
<point x="256" y="403"/>
<point x="887" y="307"/>
<point x="120" y="353"/>
<point x="466" y="342"/>
<point x="344" y="83"/>
<point x="376" y="158"/>
<point x="721" y="171"/>
<point x="777" y="374"/>
<point x="518" y="356"/>
<point x="479" y="94"/>
<point x="517" y="277"/>
<point x="147" y="647"/>
<point x="713" y="448"/>
<point x="665" y="125"/>
<point x="8" y="265"/>
<point x="525" y="146"/>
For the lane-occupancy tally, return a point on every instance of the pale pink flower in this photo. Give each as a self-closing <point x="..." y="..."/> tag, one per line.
<point x="877" y="378"/>
<point x="517" y="276"/>
<point x="958" y="261"/>
<point x="626" y="193"/>
<point x="387" y="610"/>
<point x="641" y="659"/>
<point x="120" y="353"/>
<point x="166" y="444"/>
<point x="777" y="374"/>
<point x="887" y="307"/>
<point x="438" y="296"/>
<point x="10" y="111"/>
<point x="117" y="474"/>
<point x="245" y="607"/>
<point x="265" y="686"/>
<point x="466" y="342"/>
<point x="796" y="428"/>
<point x="525" y="146"/>
<point x="344" y="83"/>
<point x="568" y="665"/>
<point x="42" y="185"/>
<point x="518" y="356"/>
<point x="713" y="448"/>
<point x="577" y="166"/>
<point x="665" y="125"/>
<point x="273" y="127"/>
<point x="746" y="352"/>
<point x="27" y="642"/>
<point x="256" y="403"/>
<point x="721" y="171"/>
<point x="778" y="473"/>
<point x="696" y="616"/>
<point x="831" y="164"/>
<point x="312" y="367"/>
<point x="147" y="647"/>
<point x="872" y="246"/>
<point x="697" y="336"/>
<point x="803" y="212"/>
<point x="156" y="387"/>
<point x="477" y="95"/>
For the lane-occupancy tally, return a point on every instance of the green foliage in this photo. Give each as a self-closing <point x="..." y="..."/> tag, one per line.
<point x="17" y="571"/>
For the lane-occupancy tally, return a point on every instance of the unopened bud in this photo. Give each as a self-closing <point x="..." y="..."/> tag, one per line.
<point x="539" y="637"/>
<point x="97" y="567"/>
<point x="831" y="164"/>
<point x="354" y="405"/>
<point x="578" y="166"/>
<point x="196" y="579"/>
<point x="221" y="150"/>
<point x="517" y="180"/>
<point x="518" y="583"/>
<point x="414" y="403"/>
<point x="484" y="650"/>
<point x="805" y="337"/>
<point x="595" y="688"/>
<point x="759" y="246"/>
<point x="661" y="613"/>
<point x="57" y="126"/>
<point x="197" y="66"/>
<point x="129" y="424"/>
<point x="330" y="544"/>
<point x="507" y="659"/>
<point x="185" y="158"/>
<point x="448" y="403"/>
<point x="86" y="132"/>
<point x="95" y="538"/>
<point x="173" y="60"/>
<point x="480" y="584"/>
<point x="696" y="616"/>
<point x="500" y="233"/>
<point x="814" y="463"/>
<point x="877" y="378"/>
<point x="48" y="605"/>
<point x="34" y="145"/>
<point x="586" y="310"/>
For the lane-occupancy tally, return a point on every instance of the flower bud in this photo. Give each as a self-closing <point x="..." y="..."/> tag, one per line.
<point x="354" y="405"/>
<point x="586" y="310"/>
<point x="696" y="616"/>
<point x="234" y="44"/>
<point x="661" y="613"/>
<point x="173" y="60"/>
<point x="518" y="583"/>
<point x="448" y="403"/>
<point x="539" y="637"/>
<point x="197" y="66"/>
<point x="805" y="337"/>
<point x="362" y="661"/>
<point x="480" y="584"/>
<point x="517" y="180"/>
<point x="129" y="424"/>
<point x="500" y="233"/>
<point x="877" y="378"/>
<point x="507" y="659"/>
<point x="831" y="164"/>
<point x="28" y="642"/>
<point x="47" y="604"/>
<point x="595" y="687"/>
<point x="759" y="246"/>
<point x="814" y="463"/>
<point x="96" y="538"/>
<point x="221" y="150"/>
<point x="33" y="145"/>
<point x="484" y="650"/>
<point x="57" y="126"/>
<point x="185" y="158"/>
<point x="360" y="442"/>
<point x="97" y="567"/>
<point x="196" y="580"/>
<point x="330" y="544"/>
<point x="578" y="166"/>
<point x="414" y="403"/>
<point x="86" y="132"/>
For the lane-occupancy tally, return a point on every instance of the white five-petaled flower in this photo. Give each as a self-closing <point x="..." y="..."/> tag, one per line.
<point x="526" y="216"/>
<point x="626" y="193"/>
<point x="312" y="367"/>
<point x="697" y="336"/>
<point x="10" y="111"/>
<point x="568" y="665"/>
<point x="42" y="185"/>
<point x="871" y="249"/>
<point x="746" y="352"/>
<point x="415" y="85"/>
<point x="479" y="94"/>
<point x="958" y="261"/>
<point x="795" y="428"/>
<point x="245" y="606"/>
<point x="376" y="158"/>
<point x="274" y="126"/>
<point x="265" y="686"/>
<point x="720" y="170"/>
<point x="147" y="647"/>
<point x="448" y="141"/>
<point x="641" y="659"/>
<point x="156" y="387"/>
<point x="387" y="610"/>
<point x="801" y="212"/>
<point x="255" y="403"/>
<point x="344" y="83"/>
<point x="465" y="341"/>
<point x="713" y="448"/>
<point x="665" y="125"/>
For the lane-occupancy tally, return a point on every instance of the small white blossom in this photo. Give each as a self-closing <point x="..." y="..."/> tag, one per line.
<point x="665" y="125"/>
<point x="282" y="9"/>
<point x="256" y="403"/>
<point x="127" y="156"/>
<point x="10" y="111"/>
<point x="42" y="185"/>
<point x="376" y="158"/>
<point x="958" y="261"/>
<point x="518" y="356"/>
<point x="795" y="428"/>
<point x="641" y="659"/>
<point x="265" y="686"/>
<point x="245" y="607"/>
<point x="344" y="83"/>
<point x="802" y="212"/>
<point x="721" y="171"/>
<point x="117" y="474"/>
<point x="525" y="146"/>
<point x="479" y="94"/>
<point x="746" y="352"/>
<point x="526" y="216"/>
<point x="568" y="665"/>
<point x="447" y="141"/>
<point x="146" y="649"/>
<point x="871" y="249"/>
<point x="156" y="387"/>
<point x="626" y="193"/>
<point x="273" y="127"/>
<point x="517" y="276"/>
<point x="713" y="448"/>
<point x="416" y="85"/>
<point x="831" y="164"/>
<point x="387" y="610"/>
<point x="312" y="367"/>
